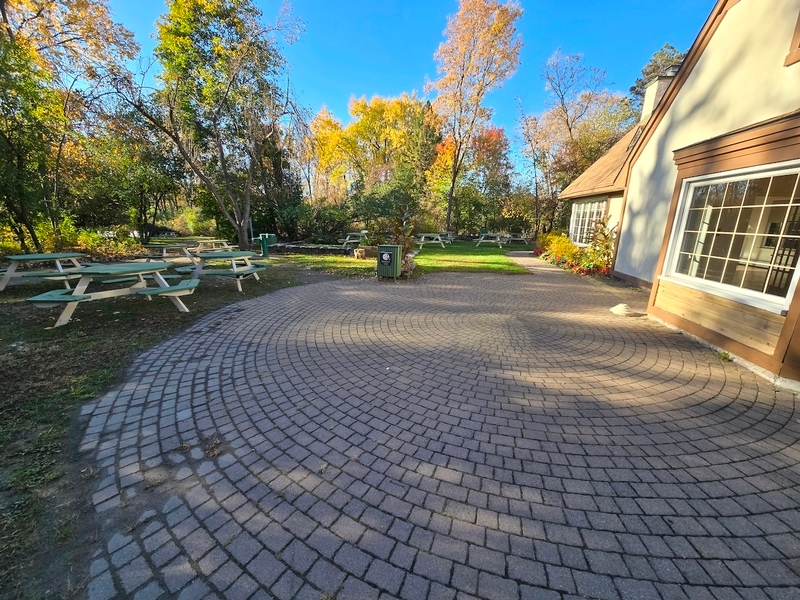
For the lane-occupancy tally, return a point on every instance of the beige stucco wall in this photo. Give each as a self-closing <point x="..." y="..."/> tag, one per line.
<point x="614" y="212"/>
<point x="738" y="81"/>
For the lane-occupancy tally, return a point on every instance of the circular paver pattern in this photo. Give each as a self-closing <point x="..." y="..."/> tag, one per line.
<point x="470" y="436"/>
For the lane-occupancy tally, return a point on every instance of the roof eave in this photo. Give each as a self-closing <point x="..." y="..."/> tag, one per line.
<point x="595" y="192"/>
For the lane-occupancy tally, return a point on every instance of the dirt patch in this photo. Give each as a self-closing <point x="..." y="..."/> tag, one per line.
<point x="48" y="524"/>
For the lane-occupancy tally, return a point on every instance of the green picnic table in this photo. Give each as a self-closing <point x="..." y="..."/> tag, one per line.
<point x="60" y="273"/>
<point x="135" y="270"/>
<point x="241" y="266"/>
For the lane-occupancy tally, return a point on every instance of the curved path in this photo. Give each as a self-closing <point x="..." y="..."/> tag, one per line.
<point x="469" y="436"/>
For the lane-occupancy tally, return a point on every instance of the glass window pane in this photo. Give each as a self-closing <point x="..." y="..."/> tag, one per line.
<point x="735" y="193"/>
<point x="793" y="221"/>
<point x="756" y="191"/>
<point x="779" y="280"/>
<point x="781" y="190"/>
<point x="716" y="193"/>
<point x="699" y="197"/>
<point x="755" y="278"/>
<point x="722" y="245"/>
<point x="695" y="220"/>
<point x="689" y="242"/>
<point x="727" y="219"/>
<point x="748" y="220"/>
<point x="715" y="269"/>
<point x="712" y="219"/>
<point x="734" y="272"/>
<point x="689" y="264"/>
<point x="748" y="243"/>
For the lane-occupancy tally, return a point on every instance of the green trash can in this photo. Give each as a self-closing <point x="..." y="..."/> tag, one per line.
<point x="267" y="239"/>
<point x="390" y="261"/>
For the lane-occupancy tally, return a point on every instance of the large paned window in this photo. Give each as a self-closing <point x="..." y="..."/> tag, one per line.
<point x="742" y="233"/>
<point x="585" y="216"/>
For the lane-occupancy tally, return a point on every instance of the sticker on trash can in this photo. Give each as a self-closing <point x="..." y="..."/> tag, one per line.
<point x="386" y="259"/>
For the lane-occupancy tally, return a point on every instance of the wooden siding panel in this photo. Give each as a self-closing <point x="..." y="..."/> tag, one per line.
<point x="755" y="328"/>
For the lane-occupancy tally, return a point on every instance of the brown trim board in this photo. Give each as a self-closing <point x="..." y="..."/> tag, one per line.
<point x="794" y="50"/>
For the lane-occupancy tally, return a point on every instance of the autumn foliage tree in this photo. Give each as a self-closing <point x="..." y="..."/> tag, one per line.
<point x="221" y="101"/>
<point x="377" y="163"/>
<point x="582" y="122"/>
<point x="64" y="53"/>
<point x="480" y="52"/>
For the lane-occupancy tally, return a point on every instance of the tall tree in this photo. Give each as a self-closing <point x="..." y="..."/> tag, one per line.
<point x="29" y="116"/>
<point x="480" y="52"/>
<point x="222" y="103"/>
<point x="76" y="47"/>
<point x="667" y="56"/>
<point x="582" y="122"/>
<point x="490" y="172"/>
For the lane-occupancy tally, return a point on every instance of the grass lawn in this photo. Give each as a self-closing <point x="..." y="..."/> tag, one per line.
<point x="464" y="256"/>
<point x="458" y="256"/>
<point x="45" y="374"/>
<point x="346" y="266"/>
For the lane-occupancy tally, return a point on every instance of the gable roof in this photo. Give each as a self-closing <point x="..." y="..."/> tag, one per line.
<point x="607" y="174"/>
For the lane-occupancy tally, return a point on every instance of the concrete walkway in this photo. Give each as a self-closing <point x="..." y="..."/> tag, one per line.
<point x="457" y="436"/>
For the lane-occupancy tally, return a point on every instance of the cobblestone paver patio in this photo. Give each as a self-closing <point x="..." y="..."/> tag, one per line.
<point x="458" y="436"/>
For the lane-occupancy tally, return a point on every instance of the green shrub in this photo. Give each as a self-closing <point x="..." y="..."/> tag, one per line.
<point x="95" y="244"/>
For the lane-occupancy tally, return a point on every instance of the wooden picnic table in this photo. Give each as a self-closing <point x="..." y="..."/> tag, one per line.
<point x="492" y="238"/>
<point x="241" y="266"/>
<point x="132" y="272"/>
<point x="516" y="237"/>
<point x="355" y="237"/>
<point x="212" y="245"/>
<point x="429" y="238"/>
<point x="164" y="251"/>
<point x="60" y="273"/>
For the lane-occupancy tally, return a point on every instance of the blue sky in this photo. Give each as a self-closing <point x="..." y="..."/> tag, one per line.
<point x="385" y="47"/>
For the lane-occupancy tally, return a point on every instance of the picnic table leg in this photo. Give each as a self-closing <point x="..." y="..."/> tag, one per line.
<point x="70" y="307"/>
<point x="60" y="269"/>
<point x="249" y="264"/>
<point x="198" y="268"/>
<point x="175" y="300"/>
<point x="9" y="273"/>
<point x="189" y="255"/>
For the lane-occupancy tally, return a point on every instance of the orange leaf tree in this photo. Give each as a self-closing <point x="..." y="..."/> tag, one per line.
<point x="480" y="52"/>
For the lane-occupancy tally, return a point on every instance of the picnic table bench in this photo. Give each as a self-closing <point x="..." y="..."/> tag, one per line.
<point x="166" y="251"/>
<point x="355" y="237"/>
<point x="516" y="237"/>
<point x="211" y="246"/>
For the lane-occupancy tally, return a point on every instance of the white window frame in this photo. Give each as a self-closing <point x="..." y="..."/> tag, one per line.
<point x="768" y="302"/>
<point x="600" y="202"/>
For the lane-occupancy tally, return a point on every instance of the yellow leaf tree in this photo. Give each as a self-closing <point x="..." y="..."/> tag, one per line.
<point x="367" y="150"/>
<point x="480" y="52"/>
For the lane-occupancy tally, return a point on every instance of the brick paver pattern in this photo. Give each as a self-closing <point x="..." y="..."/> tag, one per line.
<point x="457" y="436"/>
